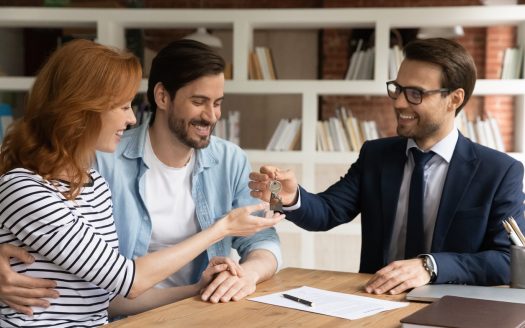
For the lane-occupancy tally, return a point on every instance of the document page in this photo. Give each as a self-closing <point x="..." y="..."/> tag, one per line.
<point x="334" y="304"/>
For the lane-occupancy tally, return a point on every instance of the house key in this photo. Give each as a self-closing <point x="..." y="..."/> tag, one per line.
<point x="276" y="203"/>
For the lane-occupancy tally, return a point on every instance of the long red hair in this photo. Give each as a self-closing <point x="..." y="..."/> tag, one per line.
<point x="61" y="123"/>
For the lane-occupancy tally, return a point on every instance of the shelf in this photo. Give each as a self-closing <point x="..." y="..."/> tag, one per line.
<point x="320" y="87"/>
<point x="20" y="83"/>
<point x="500" y="87"/>
<point x="265" y="18"/>
<point x="262" y="156"/>
<point x="15" y="83"/>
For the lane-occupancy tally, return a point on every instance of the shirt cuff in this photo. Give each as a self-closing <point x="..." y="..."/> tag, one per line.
<point x="295" y="206"/>
<point x="433" y="262"/>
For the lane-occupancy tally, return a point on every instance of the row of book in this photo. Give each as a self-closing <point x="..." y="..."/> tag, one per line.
<point x="512" y="64"/>
<point x="361" y="63"/>
<point x="395" y="57"/>
<point x="344" y="132"/>
<point x="483" y="131"/>
<point x="260" y="64"/>
<point x="228" y="127"/>
<point x="286" y="136"/>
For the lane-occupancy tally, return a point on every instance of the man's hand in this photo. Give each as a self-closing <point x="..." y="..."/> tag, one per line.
<point x="226" y="287"/>
<point x="259" y="182"/>
<point x="398" y="276"/>
<point x="20" y="292"/>
<point x="259" y="265"/>
<point x="217" y="265"/>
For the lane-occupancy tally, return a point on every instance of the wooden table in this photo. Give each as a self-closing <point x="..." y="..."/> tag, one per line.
<point x="193" y="312"/>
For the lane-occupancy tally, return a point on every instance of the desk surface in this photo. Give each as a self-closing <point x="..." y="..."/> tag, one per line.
<point x="192" y="312"/>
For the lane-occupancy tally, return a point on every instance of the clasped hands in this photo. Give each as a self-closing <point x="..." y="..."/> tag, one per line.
<point x="225" y="280"/>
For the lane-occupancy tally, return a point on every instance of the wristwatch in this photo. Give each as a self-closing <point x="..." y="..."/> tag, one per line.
<point x="428" y="265"/>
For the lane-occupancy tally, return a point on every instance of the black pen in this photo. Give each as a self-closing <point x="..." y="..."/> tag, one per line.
<point x="297" y="299"/>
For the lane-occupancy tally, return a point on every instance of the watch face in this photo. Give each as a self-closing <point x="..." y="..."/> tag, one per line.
<point x="429" y="266"/>
<point x="428" y="263"/>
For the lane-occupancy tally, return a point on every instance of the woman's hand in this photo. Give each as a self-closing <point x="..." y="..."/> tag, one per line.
<point x="217" y="265"/>
<point x="241" y="222"/>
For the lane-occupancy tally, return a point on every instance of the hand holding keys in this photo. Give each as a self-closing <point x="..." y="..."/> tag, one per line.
<point x="278" y="187"/>
<point x="276" y="203"/>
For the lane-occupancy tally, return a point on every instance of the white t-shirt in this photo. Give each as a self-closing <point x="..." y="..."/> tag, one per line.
<point x="172" y="210"/>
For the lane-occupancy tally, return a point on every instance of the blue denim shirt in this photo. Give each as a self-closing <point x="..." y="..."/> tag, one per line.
<point x="219" y="184"/>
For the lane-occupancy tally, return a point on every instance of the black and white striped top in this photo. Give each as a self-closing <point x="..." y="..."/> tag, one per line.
<point x="74" y="243"/>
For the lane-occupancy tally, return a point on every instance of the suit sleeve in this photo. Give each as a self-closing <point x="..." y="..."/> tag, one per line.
<point x="491" y="264"/>
<point x="338" y="204"/>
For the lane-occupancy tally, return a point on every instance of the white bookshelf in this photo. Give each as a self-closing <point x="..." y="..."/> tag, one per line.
<point x="310" y="250"/>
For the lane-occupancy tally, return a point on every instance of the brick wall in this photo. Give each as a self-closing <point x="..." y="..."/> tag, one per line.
<point x="500" y="107"/>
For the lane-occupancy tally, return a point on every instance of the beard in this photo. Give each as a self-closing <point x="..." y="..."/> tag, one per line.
<point x="420" y="132"/>
<point x="179" y="128"/>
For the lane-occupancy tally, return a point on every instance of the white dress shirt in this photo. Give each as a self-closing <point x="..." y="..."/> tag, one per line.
<point x="435" y="173"/>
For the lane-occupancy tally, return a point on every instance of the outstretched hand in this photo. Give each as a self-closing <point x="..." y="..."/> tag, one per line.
<point x="241" y="222"/>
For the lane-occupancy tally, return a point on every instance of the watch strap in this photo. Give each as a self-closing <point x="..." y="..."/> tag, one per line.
<point x="429" y="267"/>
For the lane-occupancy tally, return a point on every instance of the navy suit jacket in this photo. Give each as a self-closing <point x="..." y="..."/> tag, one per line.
<point x="470" y="245"/>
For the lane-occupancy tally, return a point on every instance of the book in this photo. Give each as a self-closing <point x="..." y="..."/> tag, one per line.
<point x="261" y="53"/>
<point x="320" y="142"/>
<point x="278" y="132"/>
<point x="329" y="140"/>
<point x="286" y="136"/>
<point x="233" y="127"/>
<point x="498" y="140"/>
<point x="395" y="58"/>
<point x="228" y="127"/>
<point x="271" y="64"/>
<point x="6" y="118"/>
<point x="254" y="67"/>
<point x="352" y="62"/>
<point x="462" y="312"/>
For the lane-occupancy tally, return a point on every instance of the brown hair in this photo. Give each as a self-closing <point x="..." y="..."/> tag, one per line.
<point x="60" y="126"/>
<point x="178" y="64"/>
<point x="459" y="69"/>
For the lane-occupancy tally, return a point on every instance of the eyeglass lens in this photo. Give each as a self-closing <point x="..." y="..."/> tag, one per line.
<point x="413" y="95"/>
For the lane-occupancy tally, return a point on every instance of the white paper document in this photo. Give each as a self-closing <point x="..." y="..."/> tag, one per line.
<point x="334" y="304"/>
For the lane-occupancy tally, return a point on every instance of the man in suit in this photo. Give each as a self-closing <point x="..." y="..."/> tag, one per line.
<point x="435" y="222"/>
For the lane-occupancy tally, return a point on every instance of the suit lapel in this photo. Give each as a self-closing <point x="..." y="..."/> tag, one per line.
<point x="391" y="177"/>
<point x="462" y="167"/>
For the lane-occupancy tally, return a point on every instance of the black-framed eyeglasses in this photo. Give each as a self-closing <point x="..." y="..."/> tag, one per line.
<point x="413" y="95"/>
